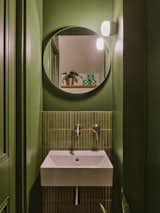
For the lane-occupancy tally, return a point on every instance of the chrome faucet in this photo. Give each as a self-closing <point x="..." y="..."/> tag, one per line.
<point x="96" y="131"/>
<point x="77" y="129"/>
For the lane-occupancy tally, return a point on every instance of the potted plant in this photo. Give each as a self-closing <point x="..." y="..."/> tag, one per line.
<point x="102" y="208"/>
<point x="125" y="205"/>
<point x="124" y="202"/>
<point x="71" y="78"/>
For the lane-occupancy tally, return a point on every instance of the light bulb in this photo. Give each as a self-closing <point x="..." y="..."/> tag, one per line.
<point x="106" y="28"/>
<point x="100" y="44"/>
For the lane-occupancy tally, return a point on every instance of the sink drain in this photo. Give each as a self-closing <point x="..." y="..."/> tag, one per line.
<point x="77" y="159"/>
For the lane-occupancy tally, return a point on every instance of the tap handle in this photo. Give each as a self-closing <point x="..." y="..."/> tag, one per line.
<point x="96" y="127"/>
<point x="77" y="129"/>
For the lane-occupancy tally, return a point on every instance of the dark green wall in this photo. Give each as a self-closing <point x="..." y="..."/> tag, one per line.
<point x="7" y="106"/>
<point x="134" y="103"/>
<point x="84" y="13"/>
<point x="153" y="154"/>
<point x="33" y="101"/>
<point x="117" y="88"/>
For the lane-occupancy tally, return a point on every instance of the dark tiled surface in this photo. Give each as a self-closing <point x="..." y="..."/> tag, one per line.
<point x="61" y="200"/>
<point x="58" y="130"/>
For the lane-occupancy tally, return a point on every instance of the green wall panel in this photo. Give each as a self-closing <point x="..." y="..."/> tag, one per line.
<point x="7" y="105"/>
<point x="117" y="78"/>
<point x="84" y="13"/>
<point x="33" y="101"/>
<point x="2" y="77"/>
<point x="153" y="155"/>
<point x="134" y="146"/>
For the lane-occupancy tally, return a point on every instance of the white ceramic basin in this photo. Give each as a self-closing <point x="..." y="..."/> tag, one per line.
<point x="82" y="168"/>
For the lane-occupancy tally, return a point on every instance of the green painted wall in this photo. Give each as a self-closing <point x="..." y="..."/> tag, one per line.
<point x="153" y="155"/>
<point x="134" y="146"/>
<point x="7" y="106"/>
<point x="84" y="13"/>
<point x="117" y="78"/>
<point x="33" y="102"/>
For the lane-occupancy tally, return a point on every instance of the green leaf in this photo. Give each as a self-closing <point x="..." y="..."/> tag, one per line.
<point x="125" y="205"/>
<point x="102" y="208"/>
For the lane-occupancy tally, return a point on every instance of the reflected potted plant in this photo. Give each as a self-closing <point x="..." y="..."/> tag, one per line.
<point x="71" y="78"/>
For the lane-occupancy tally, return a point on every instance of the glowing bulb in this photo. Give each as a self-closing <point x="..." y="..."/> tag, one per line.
<point x="106" y="28"/>
<point x="100" y="44"/>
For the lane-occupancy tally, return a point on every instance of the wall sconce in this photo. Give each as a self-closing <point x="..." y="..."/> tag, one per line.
<point x="100" y="44"/>
<point x="108" y="28"/>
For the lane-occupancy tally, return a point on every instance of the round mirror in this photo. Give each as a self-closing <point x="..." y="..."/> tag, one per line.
<point x="76" y="60"/>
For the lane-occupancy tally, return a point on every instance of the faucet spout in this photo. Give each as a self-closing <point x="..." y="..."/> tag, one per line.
<point x="75" y="131"/>
<point x="71" y="152"/>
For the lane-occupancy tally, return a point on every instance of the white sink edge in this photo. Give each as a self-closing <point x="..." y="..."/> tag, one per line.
<point x="93" y="168"/>
<point x="46" y="165"/>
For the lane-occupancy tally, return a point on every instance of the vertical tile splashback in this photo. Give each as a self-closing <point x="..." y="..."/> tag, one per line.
<point x="58" y="135"/>
<point x="58" y="130"/>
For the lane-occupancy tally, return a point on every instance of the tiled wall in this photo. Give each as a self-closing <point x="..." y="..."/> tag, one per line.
<point x="58" y="134"/>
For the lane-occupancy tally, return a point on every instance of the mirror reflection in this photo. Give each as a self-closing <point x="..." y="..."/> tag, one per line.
<point x="76" y="60"/>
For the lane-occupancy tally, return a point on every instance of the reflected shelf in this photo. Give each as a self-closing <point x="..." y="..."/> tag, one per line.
<point x="78" y="86"/>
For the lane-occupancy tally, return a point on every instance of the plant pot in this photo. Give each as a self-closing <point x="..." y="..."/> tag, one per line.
<point x="69" y="81"/>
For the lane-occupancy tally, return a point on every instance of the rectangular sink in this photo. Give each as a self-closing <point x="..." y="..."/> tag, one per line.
<point x="82" y="168"/>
